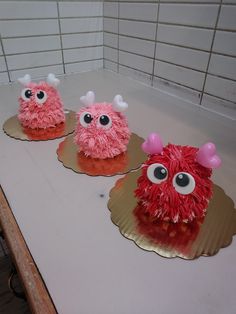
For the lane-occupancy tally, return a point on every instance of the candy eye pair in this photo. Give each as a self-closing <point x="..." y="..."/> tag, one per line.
<point x="183" y="182"/>
<point x="40" y="96"/>
<point x="104" y="120"/>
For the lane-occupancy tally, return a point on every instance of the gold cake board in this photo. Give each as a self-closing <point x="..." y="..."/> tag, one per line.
<point x="186" y="240"/>
<point x="132" y="159"/>
<point x="14" y="129"/>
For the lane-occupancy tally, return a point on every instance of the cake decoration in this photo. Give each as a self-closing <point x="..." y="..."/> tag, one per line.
<point x="201" y="236"/>
<point x="40" y="104"/>
<point x="102" y="128"/>
<point x="175" y="183"/>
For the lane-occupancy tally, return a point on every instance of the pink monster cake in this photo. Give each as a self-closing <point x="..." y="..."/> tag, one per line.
<point x="102" y="129"/>
<point x="40" y="103"/>
<point x="175" y="183"/>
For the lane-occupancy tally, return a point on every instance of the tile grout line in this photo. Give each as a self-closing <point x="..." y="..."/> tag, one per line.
<point x="172" y="44"/>
<point x="118" y="39"/>
<point x="5" y="58"/>
<point x="59" y="24"/>
<point x="51" y="50"/>
<point x="49" y="35"/>
<point x="103" y="5"/>
<point x="210" y="52"/>
<point x="173" y="82"/>
<point x="155" y="47"/>
<point x="174" y="64"/>
<point x="55" y="64"/>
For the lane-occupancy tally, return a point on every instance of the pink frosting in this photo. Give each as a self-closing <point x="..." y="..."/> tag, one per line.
<point x="34" y="115"/>
<point x="98" y="141"/>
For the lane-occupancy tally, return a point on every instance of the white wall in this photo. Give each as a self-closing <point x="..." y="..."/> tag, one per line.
<point x="184" y="47"/>
<point x="41" y="37"/>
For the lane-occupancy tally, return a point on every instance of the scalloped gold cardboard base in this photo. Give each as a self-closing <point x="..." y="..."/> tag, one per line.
<point x="13" y="128"/>
<point x="185" y="240"/>
<point x="132" y="159"/>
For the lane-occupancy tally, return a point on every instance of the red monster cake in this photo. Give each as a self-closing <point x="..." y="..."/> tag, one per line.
<point x="175" y="184"/>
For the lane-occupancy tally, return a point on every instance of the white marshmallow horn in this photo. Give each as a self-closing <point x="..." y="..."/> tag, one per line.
<point x="25" y="80"/>
<point x="52" y="80"/>
<point x="118" y="104"/>
<point x="88" y="99"/>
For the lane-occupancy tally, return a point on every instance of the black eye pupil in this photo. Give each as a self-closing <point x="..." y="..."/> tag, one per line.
<point x="88" y="118"/>
<point x="104" y="120"/>
<point x="160" y="173"/>
<point x="182" y="179"/>
<point x="28" y="93"/>
<point x="40" y="95"/>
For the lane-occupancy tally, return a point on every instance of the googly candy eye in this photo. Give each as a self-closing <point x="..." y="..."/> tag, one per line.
<point x="104" y="121"/>
<point x="41" y="97"/>
<point x="157" y="173"/>
<point x="26" y="94"/>
<point x="85" y="119"/>
<point x="184" y="183"/>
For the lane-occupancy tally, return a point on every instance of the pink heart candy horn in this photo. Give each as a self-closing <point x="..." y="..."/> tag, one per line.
<point x="153" y="144"/>
<point x="207" y="156"/>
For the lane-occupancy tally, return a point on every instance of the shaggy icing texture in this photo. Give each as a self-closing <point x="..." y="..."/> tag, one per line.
<point x="102" y="141"/>
<point x="163" y="200"/>
<point x="36" y="115"/>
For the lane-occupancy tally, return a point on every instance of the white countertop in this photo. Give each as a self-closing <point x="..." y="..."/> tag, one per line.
<point x="87" y="265"/>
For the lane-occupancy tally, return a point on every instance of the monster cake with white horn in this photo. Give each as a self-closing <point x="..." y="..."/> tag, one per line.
<point x="41" y="106"/>
<point x="102" y="129"/>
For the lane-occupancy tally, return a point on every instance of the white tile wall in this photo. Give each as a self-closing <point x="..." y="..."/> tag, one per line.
<point x="111" y="9"/>
<point x="30" y="60"/>
<point x="75" y="9"/>
<point x="179" y="75"/>
<point x="110" y="40"/>
<point x="138" y="46"/>
<point x="26" y="9"/>
<point x="31" y="44"/>
<point x="225" y="42"/>
<point x="191" y="58"/>
<point x="40" y="72"/>
<point x="83" y="54"/>
<point x="223" y="66"/>
<point x="139" y="11"/>
<point x="194" y="1"/>
<point x="79" y="25"/>
<point x="136" y="62"/>
<point x="110" y="25"/>
<point x="185" y="36"/>
<point x="177" y="90"/>
<point x="83" y="66"/>
<point x="143" y="77"/>
<point x="227" y="19"/>
<point x="82" y="40"/>
<point x="193" y="15"/>
<point x="222" y="88"/>
<point x="111" y="54"/>
<point x="2" y="65"/>
<point x="20" y="28"/>
<point x="137" y="29"/>
<point x="35" y="33"/>
<point x="3" y="78"/>
<point x="187" y="48"/>
<point x="110" y="65"/>
<point x="219" y="105"/>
